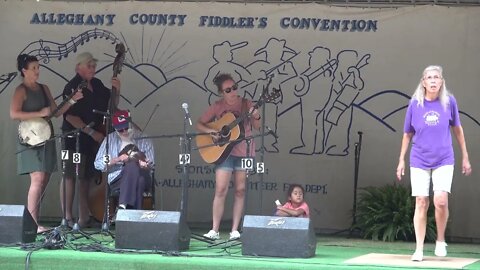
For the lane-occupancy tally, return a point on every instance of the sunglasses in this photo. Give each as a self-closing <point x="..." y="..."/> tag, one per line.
<point x="122" y="130"/>
<point x="230" y="89"/>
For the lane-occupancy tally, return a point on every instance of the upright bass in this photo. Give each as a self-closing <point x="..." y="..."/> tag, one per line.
<point x="97" y="192"/>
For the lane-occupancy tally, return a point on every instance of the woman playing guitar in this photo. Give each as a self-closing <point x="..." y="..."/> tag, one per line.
<point x="230" y="102"/>
<point x="32" y="100"/>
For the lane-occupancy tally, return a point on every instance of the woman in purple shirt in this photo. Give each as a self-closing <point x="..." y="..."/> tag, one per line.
<point x="430" y="114"/>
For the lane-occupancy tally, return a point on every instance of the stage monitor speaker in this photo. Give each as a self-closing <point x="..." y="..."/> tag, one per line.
<point x="151" y="230"/>
<point x="273" y="236"/>
<point x="16" y="225"/>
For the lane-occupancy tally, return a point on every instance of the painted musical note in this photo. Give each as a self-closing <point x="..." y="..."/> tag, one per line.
<point x="46" y="50"/>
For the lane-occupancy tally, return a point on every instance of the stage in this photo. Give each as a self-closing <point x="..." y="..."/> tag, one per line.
<point x="332" y="252"/>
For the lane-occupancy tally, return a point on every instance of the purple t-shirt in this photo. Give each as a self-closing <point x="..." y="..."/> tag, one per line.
<point x="430" y="125"/>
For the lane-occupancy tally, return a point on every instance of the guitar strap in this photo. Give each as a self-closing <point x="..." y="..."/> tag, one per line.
<point x="244" y="106"/>
<point x="47" y="103"/>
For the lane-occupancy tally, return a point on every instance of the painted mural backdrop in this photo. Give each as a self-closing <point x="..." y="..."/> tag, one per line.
<point x="337" y="72"/>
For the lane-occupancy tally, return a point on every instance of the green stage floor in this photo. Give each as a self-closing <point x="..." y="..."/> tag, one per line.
<point x="331" y="253"/>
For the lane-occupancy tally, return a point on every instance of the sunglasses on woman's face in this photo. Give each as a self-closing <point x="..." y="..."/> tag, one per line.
<point x="122" y="130"/>
<point x="230" y="89"/>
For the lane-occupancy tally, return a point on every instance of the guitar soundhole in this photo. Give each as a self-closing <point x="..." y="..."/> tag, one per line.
<point x="225" y="133"/>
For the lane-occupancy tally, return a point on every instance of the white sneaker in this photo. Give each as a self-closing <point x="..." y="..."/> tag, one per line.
<point x="417" y="256"/>
<point x="212" y="235"/>
<point x="234" y="235"/>
<point x="441" y="249"/>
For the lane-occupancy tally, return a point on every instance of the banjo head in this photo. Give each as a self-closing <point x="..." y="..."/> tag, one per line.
<point x="34" y="131"/>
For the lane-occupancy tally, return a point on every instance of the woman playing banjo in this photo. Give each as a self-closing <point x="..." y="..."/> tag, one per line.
<point x="33" y="100"/>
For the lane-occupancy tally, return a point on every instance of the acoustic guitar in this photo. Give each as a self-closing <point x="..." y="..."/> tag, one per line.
<point x="230" y="131"/>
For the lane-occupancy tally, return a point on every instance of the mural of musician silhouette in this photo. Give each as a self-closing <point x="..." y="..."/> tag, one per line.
<point x="224" y="63"/>
<point x="313" y="94"/>
<point x="347" y="83"/>
<point x="275" y="63"/>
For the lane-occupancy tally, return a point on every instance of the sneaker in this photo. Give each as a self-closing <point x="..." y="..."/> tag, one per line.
<point x="234" y="235"/>
<point x="417" y="256"/>
<point x="212" y="235"/>
<point x="440" y="249"/>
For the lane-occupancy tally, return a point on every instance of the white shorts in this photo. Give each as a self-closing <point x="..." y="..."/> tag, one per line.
<point x="441" y="178"/>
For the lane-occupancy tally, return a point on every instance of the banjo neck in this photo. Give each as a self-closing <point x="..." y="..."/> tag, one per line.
<point x="82" y="85"/>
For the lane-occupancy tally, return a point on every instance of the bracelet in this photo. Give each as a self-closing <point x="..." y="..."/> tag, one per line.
<point x="71" y="101"/>
<point x="91" y="131"/>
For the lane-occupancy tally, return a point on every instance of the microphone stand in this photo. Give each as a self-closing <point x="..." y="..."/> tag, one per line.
<point x="248" y="140"/>
<point x="262" y="155"/>
<point x="106" y="213"/>
<point x="64" y="229"/>
<point x="247" y="174"/>
<point x="262" y="141"/>
<point x="185" y="147"/>
<point x="64" y="223"/>
<point x="76" y="227"/>
<point x="358" y="149"/>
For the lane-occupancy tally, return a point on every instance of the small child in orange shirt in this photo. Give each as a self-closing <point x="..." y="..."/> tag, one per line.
<point x="295" y="206"/>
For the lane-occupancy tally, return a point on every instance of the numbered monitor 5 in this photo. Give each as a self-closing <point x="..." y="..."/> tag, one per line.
<point x="248" y="164"/>
<point x="260" y="167"/>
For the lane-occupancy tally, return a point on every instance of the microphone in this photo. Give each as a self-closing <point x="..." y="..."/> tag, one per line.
<point x="8" y="76"/>
<point x="101" y="112"/>
<point x="105" y="114"/>
<point x="187" y="115"/>
<point x="78" y="130"/>
<point x="90" y="125"/>
<point x="270" y="131"/>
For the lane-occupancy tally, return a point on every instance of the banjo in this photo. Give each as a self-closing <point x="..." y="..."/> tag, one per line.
<point x="35" y="131"/>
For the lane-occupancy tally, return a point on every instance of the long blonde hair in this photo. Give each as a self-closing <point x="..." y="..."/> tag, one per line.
<point x="419" y="94"/>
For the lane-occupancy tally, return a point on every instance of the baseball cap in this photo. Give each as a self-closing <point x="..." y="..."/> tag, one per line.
<point x="85" y="58"/>
<point x="120" y="119"/>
